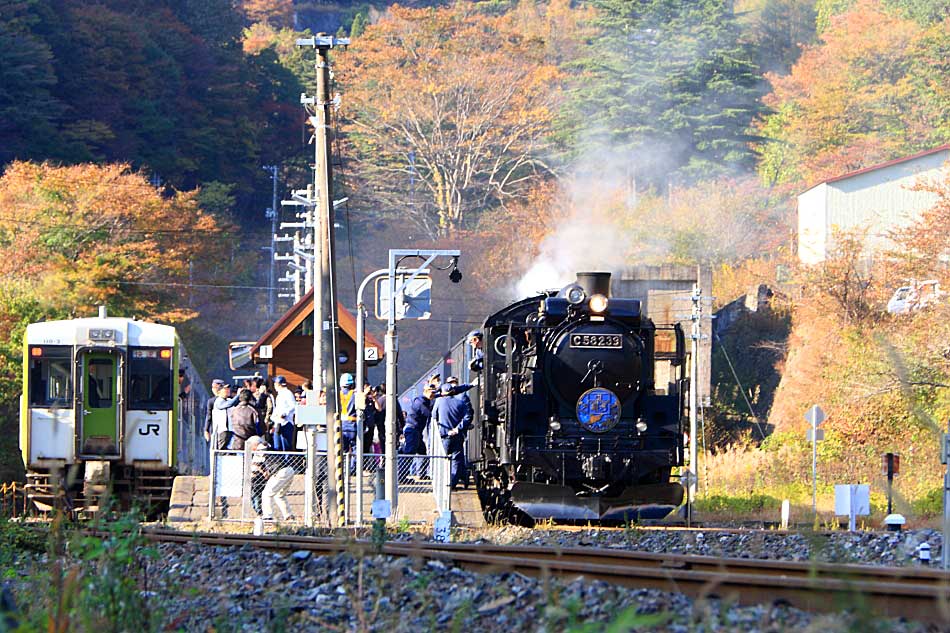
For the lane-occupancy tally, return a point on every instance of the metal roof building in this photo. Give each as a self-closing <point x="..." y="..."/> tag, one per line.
<point x="877" y="199"/>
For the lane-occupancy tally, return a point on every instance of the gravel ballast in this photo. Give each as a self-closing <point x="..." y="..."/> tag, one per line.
<point x="211" y="588"/>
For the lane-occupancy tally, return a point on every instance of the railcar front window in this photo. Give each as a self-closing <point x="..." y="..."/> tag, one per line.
<point x="150" y="379"/>
<point x="50" y="378"/>
<point x="100" y="383"/>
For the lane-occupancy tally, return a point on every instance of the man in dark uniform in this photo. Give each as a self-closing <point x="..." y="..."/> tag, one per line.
<point x="478" y="355"/>
<point x="417" y="420"/>
<point x="420" y="412"/>
<point x="453" y="417"/>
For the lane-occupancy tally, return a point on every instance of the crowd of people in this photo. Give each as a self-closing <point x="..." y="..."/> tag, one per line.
<point x="259" y="416"/>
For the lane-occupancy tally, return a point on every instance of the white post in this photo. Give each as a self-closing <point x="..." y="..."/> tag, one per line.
<point x="311" y="476"/>
<point x="695" y="335"/>
<point x="852" y="508"/>
<point x="814" y="470"/>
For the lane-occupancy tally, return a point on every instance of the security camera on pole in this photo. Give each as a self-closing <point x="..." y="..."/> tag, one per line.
<point x="397" y="309"/>
<point x="364" y="354"/>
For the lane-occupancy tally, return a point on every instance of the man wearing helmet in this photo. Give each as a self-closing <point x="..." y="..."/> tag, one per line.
<point x="348" y="411"/>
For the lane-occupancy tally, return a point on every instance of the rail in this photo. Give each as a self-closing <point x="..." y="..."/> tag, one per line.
<point x="912" y="593"/>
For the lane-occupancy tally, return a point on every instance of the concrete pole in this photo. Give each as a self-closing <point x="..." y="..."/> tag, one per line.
<point x="297" y="289"/>
<point x="326" y="325"/>
<point x="360" y="406"/>
<point x="272" y="292"/>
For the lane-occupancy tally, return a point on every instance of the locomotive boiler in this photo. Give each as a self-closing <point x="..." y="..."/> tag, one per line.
<point x="580" y="401"/>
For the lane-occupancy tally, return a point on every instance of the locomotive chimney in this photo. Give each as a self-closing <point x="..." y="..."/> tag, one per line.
<point x="102" y="312"/>
<point x="594" y="283"/>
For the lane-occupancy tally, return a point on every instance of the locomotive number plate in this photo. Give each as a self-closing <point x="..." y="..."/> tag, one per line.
<point x="600" y="341"/>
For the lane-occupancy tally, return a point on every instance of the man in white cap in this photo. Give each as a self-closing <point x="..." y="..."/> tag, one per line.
<point x="283" y="417"/>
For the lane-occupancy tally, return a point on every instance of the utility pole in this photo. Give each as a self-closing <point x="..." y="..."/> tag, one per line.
<point x="272" y="214"/>
<point x="324" y="295"/>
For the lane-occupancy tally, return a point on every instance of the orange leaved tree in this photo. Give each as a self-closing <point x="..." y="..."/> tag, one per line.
<point x="875" y="87"/>
<point x="447" y="112"/>
<point x="74" y="237"/>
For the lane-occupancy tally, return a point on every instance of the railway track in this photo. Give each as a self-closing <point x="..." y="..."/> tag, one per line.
<point x="912" y="593"/>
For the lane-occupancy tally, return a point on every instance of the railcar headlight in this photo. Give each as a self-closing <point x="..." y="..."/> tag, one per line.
<point x="576" y="295"/>
<point x="642" y="426"/>
<point x="598" y="303"/>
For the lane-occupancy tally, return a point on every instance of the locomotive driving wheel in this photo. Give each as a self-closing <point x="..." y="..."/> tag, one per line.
<point x="494" y="494"/>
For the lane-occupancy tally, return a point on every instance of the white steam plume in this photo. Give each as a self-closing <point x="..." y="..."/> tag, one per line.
<point x="579" y="244"/>
<point x="597" y="234"/>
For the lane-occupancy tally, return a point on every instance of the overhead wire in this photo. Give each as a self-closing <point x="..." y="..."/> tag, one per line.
<point x="336" y="149"/>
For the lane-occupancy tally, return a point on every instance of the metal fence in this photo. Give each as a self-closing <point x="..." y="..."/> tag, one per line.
<point x="246" y="485"/>
<point x="423" y="487"/>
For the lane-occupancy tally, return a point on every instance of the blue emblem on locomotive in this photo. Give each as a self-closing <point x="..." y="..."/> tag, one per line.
<point x="598" y="410"/>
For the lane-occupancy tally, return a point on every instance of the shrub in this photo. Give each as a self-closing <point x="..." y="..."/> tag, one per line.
<point x="736" y="505"/>
<point x="931" y="504"/>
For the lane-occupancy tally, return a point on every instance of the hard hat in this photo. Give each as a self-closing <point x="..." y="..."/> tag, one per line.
<point x="347" y="380"/>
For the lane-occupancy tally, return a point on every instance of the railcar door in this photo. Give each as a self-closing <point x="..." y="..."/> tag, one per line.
<point x="100" y="411"/>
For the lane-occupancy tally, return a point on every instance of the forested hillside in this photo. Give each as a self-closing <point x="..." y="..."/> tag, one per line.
<point x="539" y="136"/>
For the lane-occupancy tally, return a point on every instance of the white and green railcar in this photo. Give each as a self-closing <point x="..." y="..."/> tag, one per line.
<point x="103" y="408"/>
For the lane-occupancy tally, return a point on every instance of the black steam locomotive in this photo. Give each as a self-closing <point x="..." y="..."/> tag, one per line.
<point x="579" y="404"/>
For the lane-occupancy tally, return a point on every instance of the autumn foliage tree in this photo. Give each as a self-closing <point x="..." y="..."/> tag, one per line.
<point x="72" y="238"/>
<point x="875" y="87"/>
<point x="77" y="237"/>
<point x="447" y="113"/>
<point x="922" y="249"/>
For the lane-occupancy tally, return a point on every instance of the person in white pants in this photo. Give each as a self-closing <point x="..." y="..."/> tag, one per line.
<point x="276" y="491"/>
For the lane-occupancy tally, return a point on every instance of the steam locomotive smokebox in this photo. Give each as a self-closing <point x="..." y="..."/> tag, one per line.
<point x="594" y="283"/>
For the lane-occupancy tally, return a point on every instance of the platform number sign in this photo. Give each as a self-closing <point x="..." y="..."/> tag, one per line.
<point x="371" y="353"/>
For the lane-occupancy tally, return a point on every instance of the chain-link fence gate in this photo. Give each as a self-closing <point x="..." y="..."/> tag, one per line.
<point x="246" y="485"/>
<point x="423" y="487"/>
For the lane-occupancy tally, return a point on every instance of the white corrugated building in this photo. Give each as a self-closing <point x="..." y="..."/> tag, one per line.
<point x="878" y="198"/>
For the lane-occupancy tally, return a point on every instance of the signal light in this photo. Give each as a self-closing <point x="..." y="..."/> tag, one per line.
<point x="36" y="352"/>
<point x="165" y="353"/>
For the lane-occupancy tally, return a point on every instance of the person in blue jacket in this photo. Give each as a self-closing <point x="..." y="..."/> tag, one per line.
<point x="453" y="417"/>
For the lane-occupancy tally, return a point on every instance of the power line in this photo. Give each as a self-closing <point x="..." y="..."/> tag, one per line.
<point x="183" y="285"/>
<point x="128" y="229"/>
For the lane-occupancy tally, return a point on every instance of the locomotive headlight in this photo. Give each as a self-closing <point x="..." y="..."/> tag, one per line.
<point x="576" y="295"/>
<point x="642" y="426"/>
<point x="598" y="303"/>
